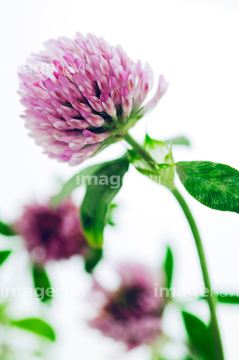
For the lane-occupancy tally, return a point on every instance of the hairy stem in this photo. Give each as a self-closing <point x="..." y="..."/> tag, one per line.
<point x="211" y="299"/>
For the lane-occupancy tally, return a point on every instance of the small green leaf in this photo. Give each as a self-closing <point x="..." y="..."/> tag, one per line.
<point x="76" y="181"/>
<point x="92" y="258"/>
<point x="99" y="194"/>
<point x="199" y="335"/>
<point x="41" y="283"/>
<point x="37" y="326"/>
<point x="4" y="255"/>
<point x="7" y="230"/>
<point x="110" y="220"/>
<point x="168" y="267"/>
<point x="214" y="185"/>
<point x="179" y="140"/>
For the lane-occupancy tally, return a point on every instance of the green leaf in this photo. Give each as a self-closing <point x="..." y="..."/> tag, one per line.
<point x="41" y="283"/>
<point x="179" y="140"/>
<point x="168" y="267"/>
<point x="110" y="220"/>
<point x="77" y="180"/>
<point x="37" y="326"/>
<point x="98" y="197"/>
<point x="7" y="230"/>
<point x="214" y="185"/>
<point x="228" y="299"/>
<point x="224" y="298"/>
<point x="92" y="258"/>
<point x="199" y="335"/>
<point x="163" y="358"/>
<point x="4" y="255"/>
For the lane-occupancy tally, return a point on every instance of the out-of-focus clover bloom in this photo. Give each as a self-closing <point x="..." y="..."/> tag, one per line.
<point x="52" y="233"/>
<point x="131" y="313"/>
<point x="84" y="95"/>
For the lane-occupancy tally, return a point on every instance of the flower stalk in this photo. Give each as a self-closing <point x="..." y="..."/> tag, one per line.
<point x="211" y="299"/>
<point x="140" y="150"/>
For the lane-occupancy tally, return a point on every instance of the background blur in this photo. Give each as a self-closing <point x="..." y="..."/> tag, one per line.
<point x="195" y="45"/>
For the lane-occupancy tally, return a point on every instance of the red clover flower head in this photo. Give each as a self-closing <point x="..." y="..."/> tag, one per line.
<point x="52" y="233"/>
<point x="131" y="313"/>
<point x="84" y="95"/>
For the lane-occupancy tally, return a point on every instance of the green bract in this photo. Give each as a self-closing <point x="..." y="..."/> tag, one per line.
<point x="161" y="169"/>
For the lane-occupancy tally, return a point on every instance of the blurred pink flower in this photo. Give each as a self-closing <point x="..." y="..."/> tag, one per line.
<point x="51" y="233"/>
<point x="131" y="313"/>
<point x="83" y="95"/>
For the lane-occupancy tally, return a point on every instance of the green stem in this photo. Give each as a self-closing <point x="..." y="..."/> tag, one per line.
<point x="212" y="300"/>
<point x="140" y="150"/>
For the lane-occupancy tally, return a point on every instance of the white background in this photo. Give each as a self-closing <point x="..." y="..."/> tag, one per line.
<point x="195" y="45"/>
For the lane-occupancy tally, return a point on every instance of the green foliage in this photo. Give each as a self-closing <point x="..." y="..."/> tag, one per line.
<point x="76" y="181"/>
<point x="228" y="299"/>
<point x="98" y="197"/>
<point x="110" y="214"/>
<point x="162" y="171"/>
<point x="168" y="267"/>
<point x="7" y="230"/>
<point x="185" y="358"/>
<point x="200" y="336"/>
<point x="41" y="282"/>
<point x="36" y="326"/>
<point x="214" y="185"/>
<point x="4" y="254"/>
<point x="138" y="162"/>
<point x="92" y="258"/>
<point x="159" y="150"/>
<point x="224" y="298"/>
<point x="179" y="140"/>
